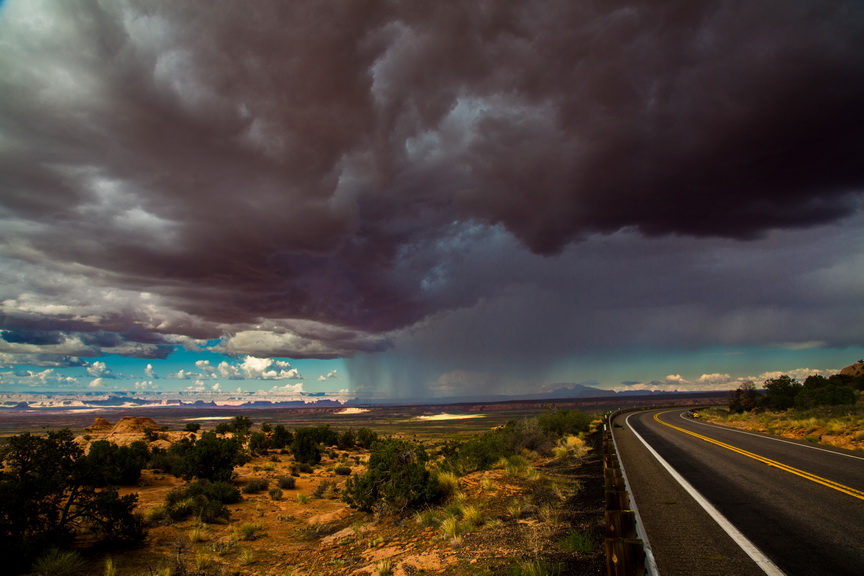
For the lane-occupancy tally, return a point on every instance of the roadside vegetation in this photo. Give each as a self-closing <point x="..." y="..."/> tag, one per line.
<point x="312" y="500"/>
<point x="820" y="409"/>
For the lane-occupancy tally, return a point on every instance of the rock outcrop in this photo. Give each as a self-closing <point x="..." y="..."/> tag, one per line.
<point x="100" y="424"/>
<point x="856" y="369"/>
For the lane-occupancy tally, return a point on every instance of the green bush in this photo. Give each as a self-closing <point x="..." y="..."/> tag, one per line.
<point x="396" y="478"/>
<point x="281" y="437"/>
<point x="202" y="499"/>
<point x="325" y="489"/>
<point x="223" y="492"/>
<point x="342" y="470"/>
<point x="559" y="423"/>
<point x="259" y="443"/>
<point x="48" y="496"/>
<point x="256" y="485"/>
<point x="287" y="482"/>
<point x="828" y="395"/>
<point x="107" y="463"/>
<point x="366" y="437"/>
<point x="209" y="457"/>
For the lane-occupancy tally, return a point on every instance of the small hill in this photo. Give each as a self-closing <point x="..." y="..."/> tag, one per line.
<point x="99" y="425"/>
<point x="134" y="424"/>
<point x="856" y="369"/>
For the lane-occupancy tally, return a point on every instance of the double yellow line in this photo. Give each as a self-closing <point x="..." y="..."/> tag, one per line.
<point x="806" y="475"/>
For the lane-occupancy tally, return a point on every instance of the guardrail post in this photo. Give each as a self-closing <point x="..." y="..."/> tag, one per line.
<point x="625" y="553"/>
<point x="620" y="524"/>
<point x="625" y="557"/>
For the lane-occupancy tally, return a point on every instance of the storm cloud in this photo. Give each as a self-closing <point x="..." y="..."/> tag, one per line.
<point x="318" y="180"/>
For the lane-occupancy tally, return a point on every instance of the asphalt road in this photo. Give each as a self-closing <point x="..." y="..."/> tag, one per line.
<point x="803" y="525"/>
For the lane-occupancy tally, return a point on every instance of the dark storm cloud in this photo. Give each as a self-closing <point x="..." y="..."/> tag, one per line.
<point x="304" y="177"/>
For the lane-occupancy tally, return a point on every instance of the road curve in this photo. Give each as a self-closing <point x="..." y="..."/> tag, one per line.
<point x="799" y="504"/>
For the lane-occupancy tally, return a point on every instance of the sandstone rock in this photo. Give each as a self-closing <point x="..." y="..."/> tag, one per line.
<point x="856" y="369"/>
<point x="99" y="425"/>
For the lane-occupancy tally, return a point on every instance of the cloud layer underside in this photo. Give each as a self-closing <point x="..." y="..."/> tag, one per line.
<point x="234" y="168"/>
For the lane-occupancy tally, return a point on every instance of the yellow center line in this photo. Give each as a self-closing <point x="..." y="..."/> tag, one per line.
<point x="806" y="475"/>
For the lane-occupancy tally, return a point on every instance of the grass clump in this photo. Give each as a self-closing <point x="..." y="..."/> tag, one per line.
<point x="426" y="518"/>
<point x="448" y="483"/>
<point x="578" y="541"/>
<point x="203" y="561"/>
<point x="58" y="562"/>
<point x="250" y="531"/>
<point x="384" y="567"/>
<point x="275" y="493"/>
<point x="535" y="568"/>
<point x="198" y="534"/>
<point x="110" y="567"/>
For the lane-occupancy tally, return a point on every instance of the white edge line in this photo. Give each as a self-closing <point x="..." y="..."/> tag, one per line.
<point x="640" y="530"/>
<point x="749" y="548"/>
<point x="767" y="437"/>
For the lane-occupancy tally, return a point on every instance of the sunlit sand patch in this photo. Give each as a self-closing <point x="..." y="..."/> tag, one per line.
<point x="445" y="416"/>
<point x="351" y="411"/>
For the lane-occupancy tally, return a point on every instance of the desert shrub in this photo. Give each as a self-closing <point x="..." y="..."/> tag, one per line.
<point x="222" y="428"/>
<point x="256" y="485"/>
<point x="58" y="562"/>
<point x="281" y="437"/>
<point x="347" y="440"/>
<point x="780" y="392"/>
<point x="396" y="477"/>
<point x="305" y="446"/>
<point x="828" y="395"/>
<point x="204" y="500"/>
<point x="192" y="427"/>
<point x="48" y="497"/>
<point x="223" y="492"/>
<point x="157" y="515"/>
<point x="366" y="437"/>
<point x="342" y="470"/>
<point x="286" y="482"/>
<point x="259" y="443"/>
<point x="557" y="423"/>
<point x="209" y="457"/>
<point x="275" y="493"/>
<point x="241" y="424"/>
<point x="325" y="489"/>
<point x="744" y="399"/>
<point x="482" y="451"/>
<point x="107" y="463"/>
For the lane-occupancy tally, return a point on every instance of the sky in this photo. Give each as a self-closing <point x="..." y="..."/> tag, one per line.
<point x="427" y="199"/>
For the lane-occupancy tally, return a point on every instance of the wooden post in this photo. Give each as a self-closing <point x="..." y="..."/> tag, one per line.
<point x="625" y="557"/>
<point x="617" y="500"/>
<point x="620" y="524"/>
